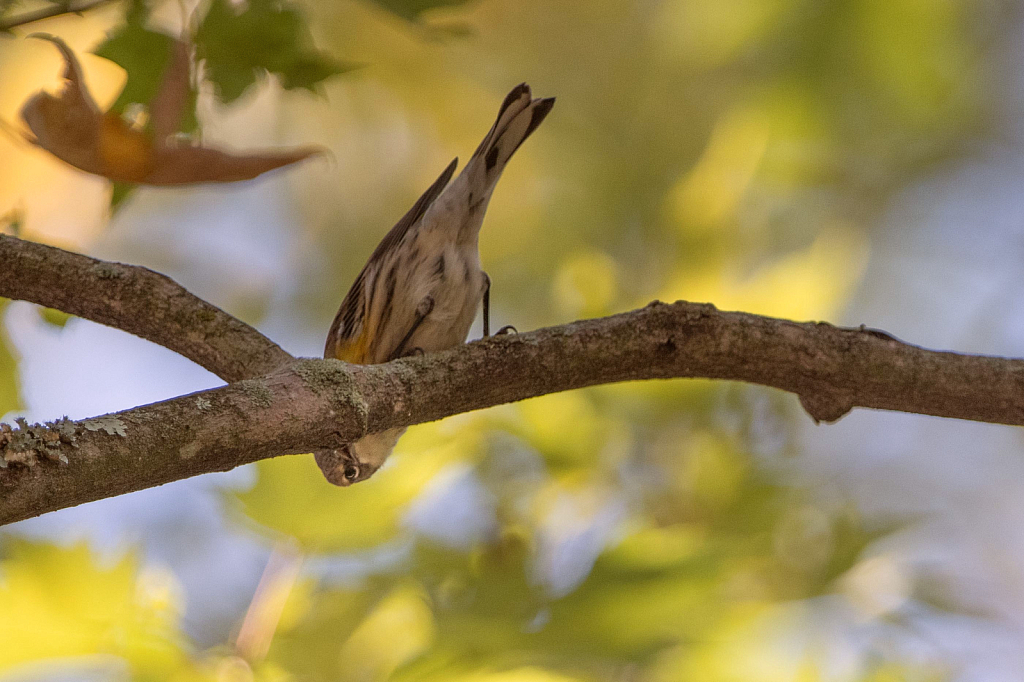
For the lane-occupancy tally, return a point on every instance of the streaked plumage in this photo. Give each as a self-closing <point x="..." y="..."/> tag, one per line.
<point x="423" y="284"/>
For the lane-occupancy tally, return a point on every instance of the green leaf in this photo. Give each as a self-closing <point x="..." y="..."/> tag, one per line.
<point x="12" y="222"/>
<point x="292" y="497"/>
<point x="54" y="317"/>
<point x="238" y="47"/>
<point x="144" y="55"/>
<point x="137" y="13"/>
<point x="120" y="191"/>
<point x="291" y="493"/>
<point x="412" y="9"/>
<point x="308" y="70"/>
<point x="10" y="398"/>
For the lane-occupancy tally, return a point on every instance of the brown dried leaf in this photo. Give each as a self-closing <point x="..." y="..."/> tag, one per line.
<point x="71" y="126"/>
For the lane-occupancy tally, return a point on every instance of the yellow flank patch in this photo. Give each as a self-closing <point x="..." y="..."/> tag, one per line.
<point x="355" y="352"/>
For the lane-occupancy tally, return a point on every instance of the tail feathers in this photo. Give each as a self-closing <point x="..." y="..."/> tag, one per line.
<point x="518" y="117"/>
<point x="514" y="103"/>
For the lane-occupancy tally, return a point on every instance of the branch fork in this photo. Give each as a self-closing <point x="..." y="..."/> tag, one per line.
<point x="275" y="404"/>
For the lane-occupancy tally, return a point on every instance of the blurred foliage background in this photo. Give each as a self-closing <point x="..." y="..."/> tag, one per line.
<point x="846" y="160"/>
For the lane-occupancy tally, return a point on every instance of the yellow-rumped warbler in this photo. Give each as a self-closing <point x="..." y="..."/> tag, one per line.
<point x="420" y="290"/>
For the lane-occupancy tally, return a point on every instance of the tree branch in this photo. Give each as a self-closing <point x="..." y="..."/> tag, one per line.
<point x="316" y="404"/>
<point x="54" y="10"/>
<point x="140" y="301"/>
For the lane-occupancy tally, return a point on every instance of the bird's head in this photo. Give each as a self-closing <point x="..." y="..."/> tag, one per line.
<point x="355" y="462"/>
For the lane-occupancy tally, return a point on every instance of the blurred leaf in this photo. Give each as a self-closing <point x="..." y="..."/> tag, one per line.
<point x="525" y="674"/>
<point x="399" y="628"/>
<point x="711" y="193"/>
<point x="238" y="46"/>
<point x="119" y="193"/>
<point x="486" y="599"/>
<point x="451" y="29"/>
<point x="12" y="221"/>
<point x="483" y="601"/>
<point x="853" y="536"/>
<point x="145" y="55"/>
<point x="10" y="397"/>
<point x="629" y="608"/>
<point x="60" y="603"/>
<point x="5" y="9"/>
<point x="709" y="34"/>
<point x="916" y="53"/>
<point x="586" y="285"/>
<point x="894" y="671"/>
<point x="808" y="284"/>
<point x="308" y="70"/>
<point x="292" y="497"/>
<point x="310" y="639"/>
<point x="714" y="469"/>
<point x="945" y="593"/>
<point x="543" y="426"/>
<point x="412" y="9"/>
<point x="54" y="317"/>
<point x="107" y="145"/>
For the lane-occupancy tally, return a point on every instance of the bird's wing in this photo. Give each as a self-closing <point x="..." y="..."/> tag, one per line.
<point x="348" y="338"/>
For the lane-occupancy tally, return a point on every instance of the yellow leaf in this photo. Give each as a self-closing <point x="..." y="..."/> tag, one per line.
<point x="805" y="285"/>
<point x="58" y="605"/>
<point x="399" y="628"/>
<point x="292" y="497"/>
<point x="710" y="193"/>
<point x="585" y="285"/>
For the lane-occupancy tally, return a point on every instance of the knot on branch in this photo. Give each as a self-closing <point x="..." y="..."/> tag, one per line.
<point x="825" y="407"/>
<point x="877" y="333"/>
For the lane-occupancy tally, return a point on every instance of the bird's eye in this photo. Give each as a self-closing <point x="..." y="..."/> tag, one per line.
<point x="351" y="472"/>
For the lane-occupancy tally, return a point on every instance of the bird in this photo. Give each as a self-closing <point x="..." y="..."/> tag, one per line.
<point x="420" y="290"/>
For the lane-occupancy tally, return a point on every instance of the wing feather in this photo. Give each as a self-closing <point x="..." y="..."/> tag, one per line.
<point x="348" y="340"/>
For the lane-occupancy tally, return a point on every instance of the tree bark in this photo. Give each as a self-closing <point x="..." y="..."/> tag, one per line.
<point x="139" y="301"/>
<point x="306" y="405"/>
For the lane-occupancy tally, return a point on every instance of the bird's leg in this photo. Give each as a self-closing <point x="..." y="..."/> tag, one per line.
<point x="507" y="329"/>
<point x="487" y="305"/>
<point x="422" y="310"/>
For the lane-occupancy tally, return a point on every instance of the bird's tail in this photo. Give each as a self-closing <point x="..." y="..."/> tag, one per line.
<point x="518" y="117"/>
